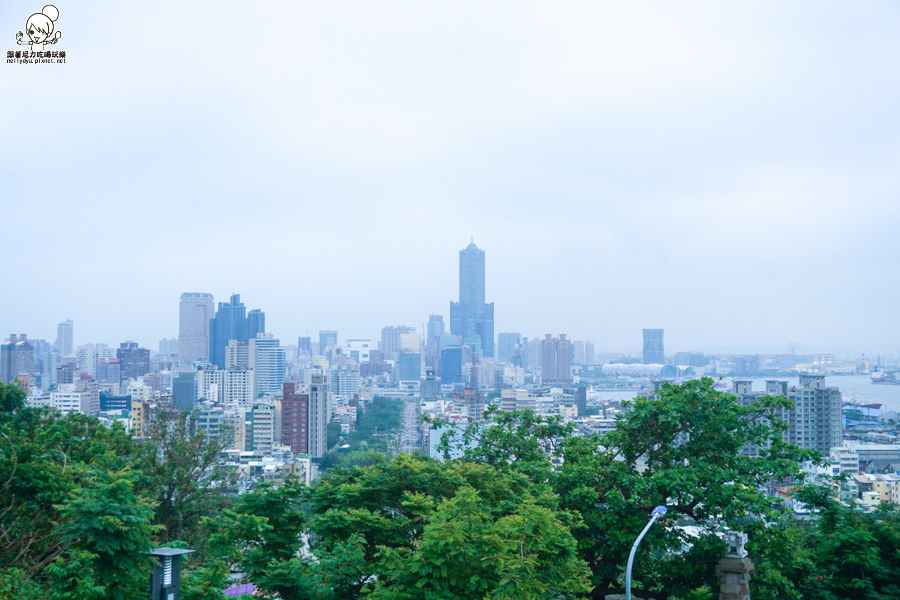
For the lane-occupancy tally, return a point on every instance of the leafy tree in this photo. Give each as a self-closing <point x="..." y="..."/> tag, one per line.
<point x="105" y="520"/>
<point x="261" y="534"/>
<point x="393" y="513"/>
<point x="465" y="552"/>
<point x="206" y="582"/>
<point x="71" y="523"/>
<point x="855" y="555"/>
<point x="182" y="471"/>
<point x="12" y="398"/>
<point x="43" y="456"/>
<point x="333" y="434"/>
<point x="369" y="442"/>
<point x="683" y="448"/>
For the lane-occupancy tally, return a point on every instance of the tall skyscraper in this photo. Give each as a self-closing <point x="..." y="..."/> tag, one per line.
<point x="328" y="338"/>
<point x="231" y="323"/>
<point x="471" y="318"/>
<point x="256" y="323"/>
<point x="64" y="338"/>
<point x="194" y="314"/>
<point x="653" y="347"/>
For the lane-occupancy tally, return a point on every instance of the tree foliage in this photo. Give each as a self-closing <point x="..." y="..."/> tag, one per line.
<point x="528" y="510"/>
<point x="78" y="503"/>
<point x="681" y="448"/>
<point x="181" y="470"/>
<point x="71" y="522"/>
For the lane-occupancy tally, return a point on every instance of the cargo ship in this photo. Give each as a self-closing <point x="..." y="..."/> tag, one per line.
<point x="886" y="377"/>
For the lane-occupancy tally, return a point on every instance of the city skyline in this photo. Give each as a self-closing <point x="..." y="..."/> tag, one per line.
<point x="727" y="173"/>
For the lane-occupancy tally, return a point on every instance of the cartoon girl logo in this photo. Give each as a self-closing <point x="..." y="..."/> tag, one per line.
<point x="40" y="29"/>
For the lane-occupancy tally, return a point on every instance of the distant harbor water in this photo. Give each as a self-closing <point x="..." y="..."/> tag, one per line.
<point x="858" y="389"/>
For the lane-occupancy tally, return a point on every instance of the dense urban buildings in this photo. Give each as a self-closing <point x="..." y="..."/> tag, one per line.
<point x="471" y="318"/>
<point x="280" y="399"/>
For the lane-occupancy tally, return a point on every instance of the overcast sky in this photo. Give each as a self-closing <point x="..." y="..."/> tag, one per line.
<point x="726" y="171"/>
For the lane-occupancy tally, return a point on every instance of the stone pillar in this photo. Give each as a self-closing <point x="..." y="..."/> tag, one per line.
<point x="734" y="568"/>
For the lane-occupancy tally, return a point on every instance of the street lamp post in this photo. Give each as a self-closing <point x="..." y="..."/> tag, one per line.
<point x="657" y="513"/>
<point x="165" y="582"/>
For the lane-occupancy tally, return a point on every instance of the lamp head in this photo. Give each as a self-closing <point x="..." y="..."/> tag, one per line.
<point x="659" y="511"/>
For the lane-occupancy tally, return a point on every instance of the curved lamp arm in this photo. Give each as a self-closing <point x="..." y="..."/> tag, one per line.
<point x="654" y="515"/>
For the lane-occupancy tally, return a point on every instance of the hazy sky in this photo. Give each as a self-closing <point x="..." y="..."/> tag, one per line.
<point x="726" y="171"/>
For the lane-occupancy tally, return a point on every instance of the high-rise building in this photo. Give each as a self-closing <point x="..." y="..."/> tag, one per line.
<point x="295" y="418"/>
<point x="390" y="339"/>
<point x="134" y="360"/>
<point x="304" y="345"/>
<point x="556" y="360"/>
<point x="234" y="386"/>
<point x="318" y="416"/>
<point x="232" y="323"/>
<point x="409" y="366"/>
<point x="256" y="323"/>
<point x="816" y="420"/>
<point x="451" y="359"/>
<point x="168" y="347"/>
<point x="87" y="357"/>
<point x="64" y="338"/>
<point x="507" y="343"/>
<point x="267" y="360"/>
<point x="578" y="352"/>
<point x="328" y="338"/>
<point x="109" y="371"/>
<point x="471" y="318"/>
<point x="344" y="381"/>
<point x="589" y="353"/>
<point x="237" y="355"/>
<point x="184" y="391"/>
<point x="262" y="428"/>
<point x="434" y="331"/>
<point x="16" y="358"/>
<point x="435" y="328"/>
<point x="653" y="347"/>
<point x="194" y="313"/>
